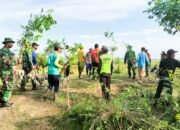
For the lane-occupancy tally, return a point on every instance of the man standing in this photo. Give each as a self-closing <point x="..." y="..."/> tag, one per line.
<point x="29" y="62"/>
<point x="95" y="58"/>
<point x="163" y="55"/>
<point x="167" y="68"/>
<point x="105" y="70"/>
<point x="130" y="59"/>
<point x="88" y="62"/>
<point x="147" y="65"/>
<point x="66" y="61"/>
<point x="81" y="61"/>
<point x="6" y="71"/>
<point x="142" y="60"/>
<point x="54" y="66"/>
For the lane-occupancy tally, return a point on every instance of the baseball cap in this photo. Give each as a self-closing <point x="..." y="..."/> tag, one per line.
<point x="35" y="44"/>
<point x="171" y="51"/>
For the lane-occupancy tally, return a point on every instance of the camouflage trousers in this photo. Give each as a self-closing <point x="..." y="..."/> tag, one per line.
<point x="7" y="87"/>
<point x="105" y="81"/>
<point x="30" y="75"/>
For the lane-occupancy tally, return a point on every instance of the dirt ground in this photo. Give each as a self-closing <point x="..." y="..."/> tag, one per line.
<point x="25" y="109"/>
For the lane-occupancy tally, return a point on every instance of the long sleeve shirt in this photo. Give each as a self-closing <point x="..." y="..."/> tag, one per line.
<point x="34" y="60"/>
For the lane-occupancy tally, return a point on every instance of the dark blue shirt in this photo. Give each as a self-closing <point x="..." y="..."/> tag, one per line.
<point x="34" y="61"/>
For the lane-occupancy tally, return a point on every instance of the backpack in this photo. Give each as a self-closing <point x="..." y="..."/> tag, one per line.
<point x="95" y="56"/>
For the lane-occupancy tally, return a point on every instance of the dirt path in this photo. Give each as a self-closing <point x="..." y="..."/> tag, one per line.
<point x="25" y="108"/>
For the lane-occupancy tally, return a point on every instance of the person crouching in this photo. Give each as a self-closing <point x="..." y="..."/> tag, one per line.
<point x="105" y="70"/>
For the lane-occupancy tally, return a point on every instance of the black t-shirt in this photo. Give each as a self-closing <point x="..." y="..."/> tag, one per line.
<point x="168" y="64"/>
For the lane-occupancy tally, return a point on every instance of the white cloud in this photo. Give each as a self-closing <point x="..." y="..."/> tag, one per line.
<point x="97" y="10"/>
<point x="86" y="10"/>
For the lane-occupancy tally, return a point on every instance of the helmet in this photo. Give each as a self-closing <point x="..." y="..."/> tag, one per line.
<point x="104" y="49"/>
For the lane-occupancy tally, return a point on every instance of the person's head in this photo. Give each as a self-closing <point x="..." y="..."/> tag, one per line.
<point x="146" y="50"/>
<point x="143" y="49"/>
<point x="171" y="53"/>
<point x="90" y="49"/>
<point x="163" y="54"/>
<point x="8" y="42"/>
<point x="96" y="46"/>
<point x="104" y="49"/>
<point x="81" y="47"/>
<point x="57" y="49"/>
<point x="35" y="45"/>
<point x="129" y="47"/>
<point x="67" y="47"/>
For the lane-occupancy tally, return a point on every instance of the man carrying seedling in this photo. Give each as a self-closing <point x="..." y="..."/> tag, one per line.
<point x="130" y="59"/>
<point x="167" y="68"/>
<point x="81" y="61"/>
<point x="105" y="70"/>
<point x="6" y="72"/>
<point x="29" y="63"/>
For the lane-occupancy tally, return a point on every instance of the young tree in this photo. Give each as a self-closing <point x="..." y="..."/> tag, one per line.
<point x="110" y="35"/>
<point x="52" y="43"/>
<point x="166" y="13"/>
<point x="35" y="28"/>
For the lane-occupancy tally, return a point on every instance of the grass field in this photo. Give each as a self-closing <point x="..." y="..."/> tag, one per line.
<point x="130" y="107"/>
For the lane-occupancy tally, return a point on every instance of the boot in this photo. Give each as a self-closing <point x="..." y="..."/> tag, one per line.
<point x="6" y="104"/>
<point x="55" y="96"/>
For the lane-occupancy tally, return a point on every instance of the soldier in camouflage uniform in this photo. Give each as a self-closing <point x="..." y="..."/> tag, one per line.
<point x="28" y="64"/>
<point x="6" y="71"/>
<point x="130" y="59"/>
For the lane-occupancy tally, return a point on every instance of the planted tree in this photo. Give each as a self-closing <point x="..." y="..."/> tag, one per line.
<point x="166" y="13"/>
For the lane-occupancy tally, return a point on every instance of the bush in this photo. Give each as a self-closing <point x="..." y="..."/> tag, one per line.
<point x="131" y="110"/>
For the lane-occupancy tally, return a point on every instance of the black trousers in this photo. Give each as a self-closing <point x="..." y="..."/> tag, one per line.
<point x="163" y="83"/>
<point x="67" y="71"/>
<point x="53" y="81"/>
<point x="105" y="80"/>
<point x="147" y="71"/>
<point x="131" y="69"/>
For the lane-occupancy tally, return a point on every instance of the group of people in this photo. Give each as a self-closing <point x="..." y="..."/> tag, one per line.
<point x="97" y="60"/>
<point x="142" y="62"/>
<point x="99" y="64"/>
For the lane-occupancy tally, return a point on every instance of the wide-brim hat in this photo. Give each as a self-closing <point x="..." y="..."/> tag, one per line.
<point x="8" y="40"/>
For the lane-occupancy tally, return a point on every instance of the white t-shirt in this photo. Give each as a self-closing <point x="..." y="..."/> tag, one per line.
<point x="65" y="55"/>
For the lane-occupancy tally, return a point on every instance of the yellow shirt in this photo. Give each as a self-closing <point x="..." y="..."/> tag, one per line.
<point x="81" y="56"/>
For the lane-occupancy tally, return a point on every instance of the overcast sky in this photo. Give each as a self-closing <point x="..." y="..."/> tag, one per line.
<point x="86" y="21"/>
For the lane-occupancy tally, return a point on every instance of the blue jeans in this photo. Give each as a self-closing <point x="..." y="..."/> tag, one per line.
<point x="53" y="81"/>
<point x="88" y="69"/>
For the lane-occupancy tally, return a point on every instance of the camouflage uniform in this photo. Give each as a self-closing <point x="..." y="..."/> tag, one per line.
<point x="130" y="59"/>
<point x="27" y="67"/>
<point x="6" y="73"/>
